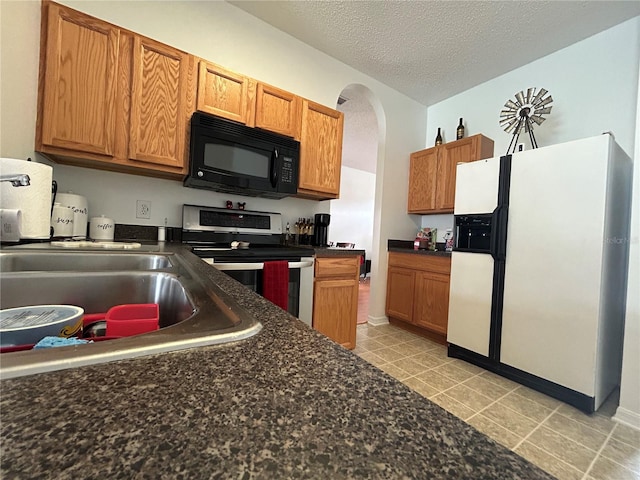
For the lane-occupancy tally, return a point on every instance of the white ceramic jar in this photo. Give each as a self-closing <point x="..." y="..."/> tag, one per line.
<point x="62" y="221"/>
<point x="101" y="229"/>
<point x="80" y="208"/>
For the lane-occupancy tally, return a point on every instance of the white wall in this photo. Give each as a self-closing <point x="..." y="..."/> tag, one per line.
<point x="352" y="214"/>
<point x="629" y="408"/>
<point x="230" y="37"/>
<point x="593" y="83"/>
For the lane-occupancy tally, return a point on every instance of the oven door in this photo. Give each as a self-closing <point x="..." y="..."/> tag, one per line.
<point x="249" y="273"/>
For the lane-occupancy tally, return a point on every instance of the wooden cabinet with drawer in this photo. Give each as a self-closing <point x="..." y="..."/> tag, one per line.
<point x="335" y="298"/>
<point x="418" y="292"/>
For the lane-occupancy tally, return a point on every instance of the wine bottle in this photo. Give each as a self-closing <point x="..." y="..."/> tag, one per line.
<point x="460" y="131"/>
<point x="439" y="137"/>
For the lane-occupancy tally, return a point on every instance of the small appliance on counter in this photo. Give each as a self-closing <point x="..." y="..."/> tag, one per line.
<point x="321" y="229"/>
<point x="25" y="200"/>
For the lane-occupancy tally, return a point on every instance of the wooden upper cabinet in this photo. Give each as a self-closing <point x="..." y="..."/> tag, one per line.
<point x="277" y="110"/>
<point x="78" y="82"/>
<point x="423" y="175"/>
<point x="432" y="173"/>
<point x="320" y="151"/>
<point x="111" y="99"/>
<point x="462" y="151"/>
<point x="225" y="93"/>
<point x="159" y="107"/>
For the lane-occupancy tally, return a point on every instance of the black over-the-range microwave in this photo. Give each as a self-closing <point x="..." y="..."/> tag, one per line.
<point x="230" y="157"/>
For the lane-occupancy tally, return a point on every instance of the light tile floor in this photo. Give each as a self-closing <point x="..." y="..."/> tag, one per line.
<point x="551" y="434"/>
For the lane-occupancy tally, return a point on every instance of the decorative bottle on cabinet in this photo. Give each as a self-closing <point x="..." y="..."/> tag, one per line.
<point x="439" y="137"/>
<point x="460" y="131"/>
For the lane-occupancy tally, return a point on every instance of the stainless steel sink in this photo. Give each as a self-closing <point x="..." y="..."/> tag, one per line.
<point x="81" y="261"/>
<point x="194" y="311"/>
<point x="97" y="292"/>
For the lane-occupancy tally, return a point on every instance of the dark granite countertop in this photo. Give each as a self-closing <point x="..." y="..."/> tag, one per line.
<point x="285" y="403"/>
<point x="406" y="246"/>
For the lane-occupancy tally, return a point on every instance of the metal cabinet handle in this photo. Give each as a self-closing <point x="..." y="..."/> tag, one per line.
<point x="251" y="265"/>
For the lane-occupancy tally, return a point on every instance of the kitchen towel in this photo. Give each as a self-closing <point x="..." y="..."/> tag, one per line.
<point x="275" y="282"/>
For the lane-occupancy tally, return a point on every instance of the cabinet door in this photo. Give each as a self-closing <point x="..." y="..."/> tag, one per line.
<point x="453" y="153"/>
<point x="225" y="93"/>
<point x="79" y="85"/>
<point x="320" y="151"/>
<point x="336" y="310"/>
<point x="277" y="110"/>
<point x="400" y="287"/>
<point x="423" y="180"/>
<point x="158" y="104"/>
<point x="431" y="308"/>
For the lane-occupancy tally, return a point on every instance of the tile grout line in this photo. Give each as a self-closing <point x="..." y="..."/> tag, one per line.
<point x="599" y="453"/>
<point x="492" y="403"/>
<point x="537" y="427"/>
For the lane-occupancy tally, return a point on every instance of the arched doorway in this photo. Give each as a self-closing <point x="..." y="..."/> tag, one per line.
<point x="353" y="215"/>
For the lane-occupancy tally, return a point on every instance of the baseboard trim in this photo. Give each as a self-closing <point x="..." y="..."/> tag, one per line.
<point x="627" y="417"/>
<point x="436" y="337"/>
<point x="376" y="321"/>
<point x="579" y="400"/>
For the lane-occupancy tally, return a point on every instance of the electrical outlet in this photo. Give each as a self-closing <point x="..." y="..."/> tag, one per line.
<point x="143" y="209"/>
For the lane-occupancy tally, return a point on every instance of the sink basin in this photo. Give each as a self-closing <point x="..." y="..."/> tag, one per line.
<point x="80" y="261"/>
<point x="194" y="311"/>
<point x="97" y="292"/>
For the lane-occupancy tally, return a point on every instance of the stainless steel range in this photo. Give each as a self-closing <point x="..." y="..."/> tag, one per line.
<point x="239" y="242"/>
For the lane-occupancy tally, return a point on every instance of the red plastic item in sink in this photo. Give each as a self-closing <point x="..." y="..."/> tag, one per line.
<point x="132" y="319"/>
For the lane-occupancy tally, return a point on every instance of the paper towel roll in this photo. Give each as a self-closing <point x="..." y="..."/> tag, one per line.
<point x="10" y="220"/>
<point x="34" y="200"/>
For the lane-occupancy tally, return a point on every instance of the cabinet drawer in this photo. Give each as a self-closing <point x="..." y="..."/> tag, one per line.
<point x="428" y="263"/>
<point x="337" y="266"/>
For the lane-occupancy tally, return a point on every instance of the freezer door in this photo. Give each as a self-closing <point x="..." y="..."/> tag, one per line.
<point x="553" y="277"/>
<point x="477" y="186"/>
<point x="470" y="301"/>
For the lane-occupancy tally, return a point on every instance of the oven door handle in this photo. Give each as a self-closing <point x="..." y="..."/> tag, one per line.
<point x="252" y="265"/>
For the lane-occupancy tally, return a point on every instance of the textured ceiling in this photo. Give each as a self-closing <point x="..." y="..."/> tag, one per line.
<point x="432" y="50"/>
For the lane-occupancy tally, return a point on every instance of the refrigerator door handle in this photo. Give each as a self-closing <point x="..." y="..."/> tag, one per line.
<point x="495" y="222"/>
<point x="498" y="244"/>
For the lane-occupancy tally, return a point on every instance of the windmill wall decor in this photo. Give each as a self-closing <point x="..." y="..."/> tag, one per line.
<point x="519" y="114"/>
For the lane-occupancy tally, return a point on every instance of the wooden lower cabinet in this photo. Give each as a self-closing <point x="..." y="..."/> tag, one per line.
<point x="431" y="305"/>
<point x="335" y="298"/>
<point x="418" y="292"/>
<point x="400" y="286"/>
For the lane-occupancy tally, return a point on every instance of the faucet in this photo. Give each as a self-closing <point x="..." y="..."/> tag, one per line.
<point x="17" y="180"/>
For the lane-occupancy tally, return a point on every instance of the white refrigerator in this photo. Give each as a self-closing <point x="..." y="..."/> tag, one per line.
<point x="539" y="267"/>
